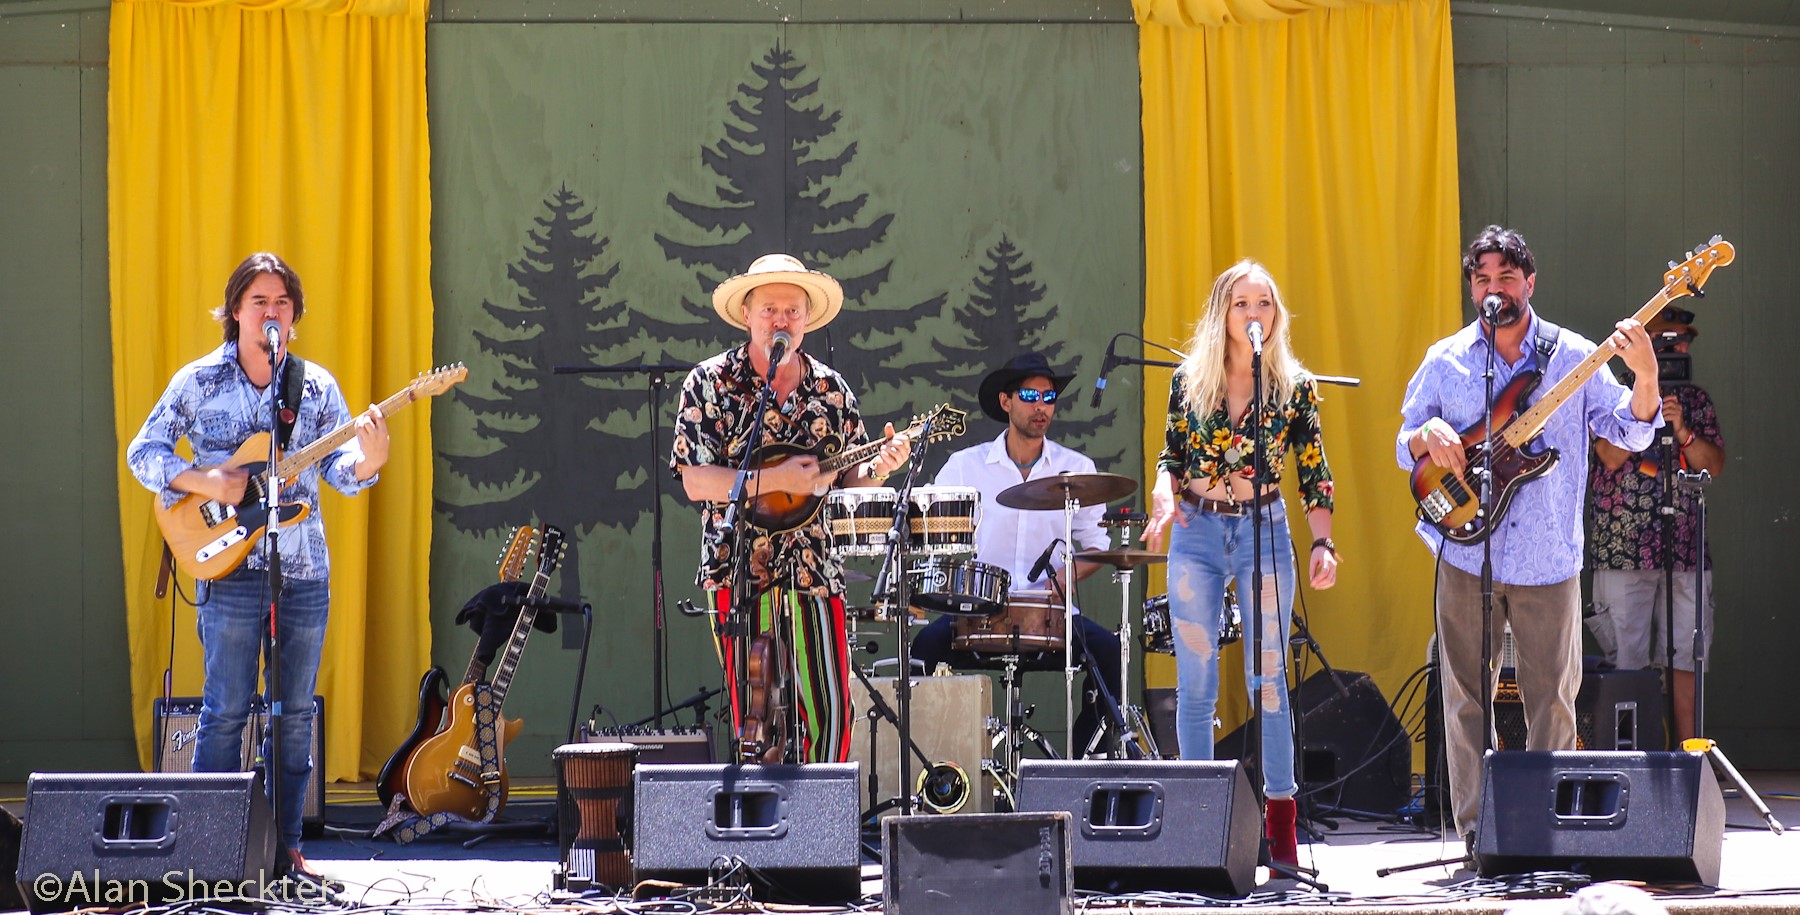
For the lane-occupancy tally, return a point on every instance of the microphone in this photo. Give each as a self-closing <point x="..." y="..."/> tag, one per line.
<point x="1255" y="330"/>
<point x="1490" y="307"/>
<point x="272" y="333"/>
<point x="778" y="351"/>
<point x="1043" y="562"/>
<point x="1106" y="366"/>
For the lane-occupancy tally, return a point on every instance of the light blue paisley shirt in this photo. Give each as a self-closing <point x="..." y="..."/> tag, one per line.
<point x="1539" y="539"/>
<point x="213" y="405"/>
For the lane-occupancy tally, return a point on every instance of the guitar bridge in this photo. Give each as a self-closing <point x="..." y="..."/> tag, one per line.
<point x="215" y="513"/>
<point x="1436" y="506"/>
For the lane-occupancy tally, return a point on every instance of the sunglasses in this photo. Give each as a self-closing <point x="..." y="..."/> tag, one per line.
<point x="1033" y="395"/>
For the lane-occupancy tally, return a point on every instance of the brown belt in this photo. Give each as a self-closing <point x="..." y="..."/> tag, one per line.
<point x="1229" y="508"/>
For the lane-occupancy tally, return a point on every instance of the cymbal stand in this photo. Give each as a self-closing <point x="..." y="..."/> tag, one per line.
<point x="1012" y="733"/>
<point x="1070" y="503"/>
<point x="1134" y="733"/>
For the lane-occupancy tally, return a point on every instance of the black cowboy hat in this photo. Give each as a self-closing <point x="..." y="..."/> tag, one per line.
<point x="1008" y="376"/>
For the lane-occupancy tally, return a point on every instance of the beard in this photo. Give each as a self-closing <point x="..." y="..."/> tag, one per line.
<point x="1509" y="313"/>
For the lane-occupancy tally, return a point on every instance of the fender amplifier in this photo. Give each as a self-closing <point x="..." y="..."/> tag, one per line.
<point x="659" y="746"/>
<point x="178" y="731"/>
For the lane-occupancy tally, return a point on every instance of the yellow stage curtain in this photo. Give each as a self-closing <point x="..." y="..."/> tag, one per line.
<point x="296" y="127"/>
<point x="1322" y="144"/>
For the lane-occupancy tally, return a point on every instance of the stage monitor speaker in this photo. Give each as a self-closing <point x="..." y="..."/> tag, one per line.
<point x="177" y="725"/>
<point x="1182" y="825"/>
<point x="1608" y="814"/>
<point x="114" y="839"/>
<point x="1354" y="754"/>
<point x="795" y="828"/>
<point x="949" y="723"/>
<point x="994" y="863"/>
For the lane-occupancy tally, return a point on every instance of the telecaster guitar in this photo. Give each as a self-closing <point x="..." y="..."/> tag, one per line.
<point x="210" y="538"/>
<point x="445" y="773"/>
<point x="1452" y="502"/>
<point x="778" y="512"/>
<point x="433" y="698"/>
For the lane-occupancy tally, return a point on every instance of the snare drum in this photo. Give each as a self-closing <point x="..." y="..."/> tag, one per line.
<point x="1159" y="630"/>
<point x="944" y="519"/>
<point x="962" y="588"/>
<point x="858" y="519"/>
<point x="1035" y="615"/>
<point x="594" y="791"/>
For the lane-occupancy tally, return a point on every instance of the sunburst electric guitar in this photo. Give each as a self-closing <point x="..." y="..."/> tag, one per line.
<point x="1452" y="501"/>
<point x="209" y="538"/>
<point x="783" y="511"/>
<point x="433" y="698"/>
<point x="445" y="773"/>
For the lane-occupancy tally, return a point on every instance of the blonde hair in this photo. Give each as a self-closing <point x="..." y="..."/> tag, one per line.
<point x="1203" y="371"/>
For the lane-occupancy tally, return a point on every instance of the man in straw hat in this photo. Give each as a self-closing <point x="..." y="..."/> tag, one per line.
<point x="793" y="576"/>
<point x="1626" y="550"/>
<point x="1024" y="394"/>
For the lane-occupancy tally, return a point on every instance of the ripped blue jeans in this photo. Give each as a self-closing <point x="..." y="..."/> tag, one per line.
<point x="1206" y="554"/>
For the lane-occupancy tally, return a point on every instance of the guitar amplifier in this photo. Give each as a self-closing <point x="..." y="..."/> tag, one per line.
<point x="177" y="732"/>
<point x="659" y="746"/>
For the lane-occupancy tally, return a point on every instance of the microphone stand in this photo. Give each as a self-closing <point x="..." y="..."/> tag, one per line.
<point x="887" y="582"/>
<point x="272" y="598"/>
<point x="1665" y="510"/>
<point x="657" y="378"/>
<point x="742" y="629"/>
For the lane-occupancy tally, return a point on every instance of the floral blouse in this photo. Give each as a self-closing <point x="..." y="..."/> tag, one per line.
<point x="1626" y="530"/>
<point x="713" y="425"/>
<point x="1213" y="448"/>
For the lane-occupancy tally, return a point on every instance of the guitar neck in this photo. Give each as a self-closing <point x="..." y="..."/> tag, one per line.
<point x="515" y="644"/>
<point x="1529" y="423"/>
<point x="316" y="451"/>
<point x="850" y="457"/>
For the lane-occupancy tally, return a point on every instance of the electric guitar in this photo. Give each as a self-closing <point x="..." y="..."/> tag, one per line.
<point x="210" y="538"/>
<point x="779" y="512"/>
<point x="433" y="694"/>
<point x="445" y="773"/>
<point x="1452" y="502"/>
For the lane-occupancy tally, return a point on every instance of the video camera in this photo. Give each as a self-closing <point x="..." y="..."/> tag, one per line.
<point x="1672" y="328"/>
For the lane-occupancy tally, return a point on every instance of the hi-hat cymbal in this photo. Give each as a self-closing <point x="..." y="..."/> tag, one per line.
<point x="1122" y="559"/>
<point x="1049" y="493"/>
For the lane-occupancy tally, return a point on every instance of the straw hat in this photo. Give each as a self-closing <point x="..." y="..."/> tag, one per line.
<point x="824" y="294"/>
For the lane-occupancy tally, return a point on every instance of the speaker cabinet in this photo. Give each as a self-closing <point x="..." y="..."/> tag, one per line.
<point x="995" y="863"/>
<point x="112" y="839"/>
<point x="1353" y="752"/>
<point x="795" y="828"/>
<point x="1615" y="710"/>
<point x="1609" y="814"/>
<point x="949" y="723"/>
<point x="178" y="732"/>
<point x="1183" y="825"/>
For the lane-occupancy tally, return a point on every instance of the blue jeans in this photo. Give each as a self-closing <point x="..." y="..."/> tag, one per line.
<point x="233" y="618"/>
<point x="1206" y="554"/>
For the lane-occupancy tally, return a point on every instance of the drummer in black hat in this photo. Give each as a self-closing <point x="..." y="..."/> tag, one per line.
<point x="1024" y="394"/>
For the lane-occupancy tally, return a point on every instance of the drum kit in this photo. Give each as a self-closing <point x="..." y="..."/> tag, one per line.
<point x="989" y="618"/>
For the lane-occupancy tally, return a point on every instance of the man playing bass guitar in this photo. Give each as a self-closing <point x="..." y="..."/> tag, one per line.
<point x="1537" y="543"/>
<point x="795" y="584"/>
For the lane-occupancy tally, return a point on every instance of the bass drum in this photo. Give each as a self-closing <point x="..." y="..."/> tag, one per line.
<point x="959" y="588"/>
<point x="1159" y="632"/>
<point x="1035" y="616"/>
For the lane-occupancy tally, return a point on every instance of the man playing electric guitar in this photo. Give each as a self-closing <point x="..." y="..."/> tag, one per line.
<point x="217" y="402"/>
<point x="795" y="584"/>
<point x="1537" y="543"/>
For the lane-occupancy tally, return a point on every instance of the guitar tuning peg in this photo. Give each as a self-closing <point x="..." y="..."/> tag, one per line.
<point x="1715" y="240"/>
<point x="1671" y="265"/>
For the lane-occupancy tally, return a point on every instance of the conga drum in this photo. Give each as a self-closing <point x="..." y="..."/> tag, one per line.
<point x="592" y="780"/>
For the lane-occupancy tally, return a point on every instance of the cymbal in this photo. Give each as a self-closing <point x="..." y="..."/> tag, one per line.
<point x="1048" y="493"/>
<point x="1122" y="559"/>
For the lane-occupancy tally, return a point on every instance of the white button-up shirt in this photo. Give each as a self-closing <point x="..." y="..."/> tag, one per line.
<point x="1012" y="538"/>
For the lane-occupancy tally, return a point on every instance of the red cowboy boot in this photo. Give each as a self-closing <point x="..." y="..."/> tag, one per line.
<point x="1279" y="828"/>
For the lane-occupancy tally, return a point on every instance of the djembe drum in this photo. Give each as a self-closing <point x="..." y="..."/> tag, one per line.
<point x="592" y="779"/>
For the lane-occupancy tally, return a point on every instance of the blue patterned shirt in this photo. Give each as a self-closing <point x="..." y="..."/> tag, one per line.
<point x="1539" y="539"/>
<point x="213" y="405"/>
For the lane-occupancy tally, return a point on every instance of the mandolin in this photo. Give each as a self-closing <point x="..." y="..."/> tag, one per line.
<point x="445" y="773"/>
<point x="779" y="512"/>
<point x="433" y="694"/>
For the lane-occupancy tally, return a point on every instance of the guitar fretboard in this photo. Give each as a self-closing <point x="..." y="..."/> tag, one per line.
<point x="1528" y="424"/>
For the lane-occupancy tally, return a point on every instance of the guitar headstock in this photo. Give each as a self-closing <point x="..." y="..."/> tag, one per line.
<point x="439" y="380"/>
<point x="944" y="422"/>
<point x="550" y="551"/>
<point x="1689" y="277"/>
<point x="512" y="559"/>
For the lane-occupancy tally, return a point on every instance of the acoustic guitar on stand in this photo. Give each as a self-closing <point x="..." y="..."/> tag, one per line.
<point x="1452" y="502"/>
<point x="433" y="694"/>
<point x="445" y="774"/>
<point x="210" y="538"/>
<point x="779" y="512"/>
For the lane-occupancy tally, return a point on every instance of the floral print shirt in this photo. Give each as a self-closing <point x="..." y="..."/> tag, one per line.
<point x="1212" y="447"/>
<point x="718" y="403"/>
<point x="1626" y="532"/>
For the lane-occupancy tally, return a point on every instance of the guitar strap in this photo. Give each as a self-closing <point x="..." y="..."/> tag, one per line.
<point x="408" y="825"/>
<point x="287" y="397"/>
<point x="1542" y="346"/>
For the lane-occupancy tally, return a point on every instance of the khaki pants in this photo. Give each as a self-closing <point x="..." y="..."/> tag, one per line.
<point x="1546" y="628"/>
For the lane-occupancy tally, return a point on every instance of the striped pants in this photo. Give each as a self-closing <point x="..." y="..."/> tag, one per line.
<point x="816" y="663"/>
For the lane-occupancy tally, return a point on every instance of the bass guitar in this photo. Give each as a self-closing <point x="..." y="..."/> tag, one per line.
<point x="433" y="687"/>
<point x="1452" y="502"/>
<point x="779" y="512"/>
<point x="210" y="538"/>
<point x="445" y="774"/>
